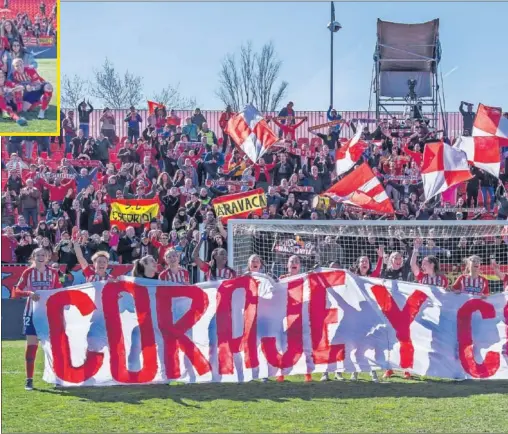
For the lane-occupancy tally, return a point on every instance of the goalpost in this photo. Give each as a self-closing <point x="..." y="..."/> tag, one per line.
<point x="318" y="243"/>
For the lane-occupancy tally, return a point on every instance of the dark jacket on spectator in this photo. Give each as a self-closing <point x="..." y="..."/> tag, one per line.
<point x="198" y="119"/>
<point x="315" y="183"/>
<point x="17" y="229"/>
<point x="127" y="155"/>
<point x="151" y="172"/>
<point x="467" y="118"/>
<point x="171" y="205"/>
<point x="125" y="250"/>
<point x="274" y="200"/>
<point x="23" y="253"/>
<point x="14" y="184"/>
<point x="77" y="146"/>
<point x="211" y="168"/>
<point x="84" y="114"/>
<point x="102" y="148"/>
<point x="96" y="227"/>
<point x="282" y="171"/>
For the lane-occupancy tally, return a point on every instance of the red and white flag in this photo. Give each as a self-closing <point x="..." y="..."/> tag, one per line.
<point x="490" y="121"/>
<point x="350" y="152"/>
<point x="442" y="168"/>
<point x="482" y="152"/>
<point x="361" y="188"/>
<point x="250" y="131"/>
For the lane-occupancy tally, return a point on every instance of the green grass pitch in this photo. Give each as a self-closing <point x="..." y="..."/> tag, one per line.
<point x="420" y="405"/>
<point x="47" y="70"/>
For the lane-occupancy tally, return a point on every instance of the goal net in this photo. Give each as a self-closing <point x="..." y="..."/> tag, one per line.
<point x="321" y="243"/>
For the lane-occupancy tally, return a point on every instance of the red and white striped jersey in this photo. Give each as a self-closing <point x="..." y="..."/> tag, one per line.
<point x="436" y="280"/>
<point x="92" y="276"/>
<point x="34" y="280"/>
<point x="28" y="76"/>
<point x="180" y="276"/>
<point x="472" y="285"/>
<point x="222" y="274"/>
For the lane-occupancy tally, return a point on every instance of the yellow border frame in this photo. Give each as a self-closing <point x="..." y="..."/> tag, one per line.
<point x="56" y="86"/>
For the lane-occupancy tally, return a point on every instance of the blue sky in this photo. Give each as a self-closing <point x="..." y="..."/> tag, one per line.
<point x="171" y="43"/>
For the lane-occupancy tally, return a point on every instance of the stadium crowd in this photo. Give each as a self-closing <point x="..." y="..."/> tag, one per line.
<point x="58" y="209"/>
<point x="186" y="165"/>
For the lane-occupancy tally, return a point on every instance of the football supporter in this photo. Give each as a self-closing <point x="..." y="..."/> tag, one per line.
<point x="35" y="278"/>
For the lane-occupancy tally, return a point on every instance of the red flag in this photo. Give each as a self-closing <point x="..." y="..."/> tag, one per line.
<point x="482" y="152"/>
<point x="490" y="121"/>
<point x="250" y="131"/>
<point x="443" y="167"/>
<point x="361" y="188"/>
<point x="153" y="105"/>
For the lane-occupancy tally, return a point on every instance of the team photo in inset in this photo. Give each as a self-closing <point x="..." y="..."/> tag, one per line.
<point x="28" y="67"/>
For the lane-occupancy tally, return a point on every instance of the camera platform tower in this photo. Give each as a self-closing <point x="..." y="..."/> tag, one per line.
<point x="406" y="70"/>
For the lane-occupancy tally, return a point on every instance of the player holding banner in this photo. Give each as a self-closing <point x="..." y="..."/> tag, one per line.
<point x="174" y="273"/>
<point x="38" y="92"/>
<point x="471" y="282"/>
<point x="35" y="278"/>
<point x="96" y="272"/>
<point x="217" y="268"/>
<point x="429" y="274"/>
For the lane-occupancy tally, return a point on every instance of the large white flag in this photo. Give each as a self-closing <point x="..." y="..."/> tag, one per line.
<point x="143" y="331"/>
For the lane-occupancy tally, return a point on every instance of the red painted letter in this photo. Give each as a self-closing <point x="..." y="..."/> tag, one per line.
<point x="60" y="342"/>
<point x="465" y="337"/>
<point x="119" y="371"/>
<point x="173" y="333"/>
<point x="294" y="331"/>
<point x="227" y="345"/>
<point x="401" y="319"/>
<point x="321" y="317"/>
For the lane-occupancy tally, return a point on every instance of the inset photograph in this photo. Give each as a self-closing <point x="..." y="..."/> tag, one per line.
<point x="29" y="77"/>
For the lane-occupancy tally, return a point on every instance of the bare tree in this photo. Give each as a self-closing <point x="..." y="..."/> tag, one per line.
<point x="115" y="91"/>
<point x="73" y="91"/>
<point x="252" y="79"/>
<point x="172" y="98"/>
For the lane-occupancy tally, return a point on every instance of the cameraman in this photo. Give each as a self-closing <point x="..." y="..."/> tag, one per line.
<point x="467" y="118"/>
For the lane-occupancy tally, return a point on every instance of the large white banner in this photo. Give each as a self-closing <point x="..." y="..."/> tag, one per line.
<point x="138" y="331"/>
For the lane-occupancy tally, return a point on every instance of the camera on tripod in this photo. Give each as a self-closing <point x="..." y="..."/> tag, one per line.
<point x="412" y="85"/>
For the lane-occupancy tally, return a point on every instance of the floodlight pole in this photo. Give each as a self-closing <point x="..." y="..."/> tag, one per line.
<point x="333" y="26"/>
